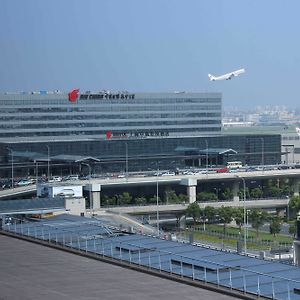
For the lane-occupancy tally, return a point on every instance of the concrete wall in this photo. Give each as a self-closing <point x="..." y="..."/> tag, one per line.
<point x="75" y="206"/>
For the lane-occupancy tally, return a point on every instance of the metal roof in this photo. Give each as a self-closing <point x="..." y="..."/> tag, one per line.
<point x="212" y="151"/>
<point x="256" y="276"/>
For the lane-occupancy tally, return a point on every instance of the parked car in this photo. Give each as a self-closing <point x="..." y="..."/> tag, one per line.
<point x="23" y="182"/>
<point x="168" y="174"/>
<point x="55" y="179"/>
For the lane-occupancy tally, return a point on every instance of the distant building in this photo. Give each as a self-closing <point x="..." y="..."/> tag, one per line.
<point x="115" y="131"/>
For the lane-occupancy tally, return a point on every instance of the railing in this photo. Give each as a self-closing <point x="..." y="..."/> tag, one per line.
<point x="232" y="276"/>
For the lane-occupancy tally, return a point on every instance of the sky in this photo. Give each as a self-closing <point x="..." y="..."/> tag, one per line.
<point x="153" y="46"/>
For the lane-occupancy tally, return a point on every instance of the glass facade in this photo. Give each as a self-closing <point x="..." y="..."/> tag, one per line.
<point x="147" y="130"/>
<point x="47" y="116"/>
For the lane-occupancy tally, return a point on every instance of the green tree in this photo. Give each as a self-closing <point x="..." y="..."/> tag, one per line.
<point x="226" y="214"/>
<point x="227" y="194"/>
<point x="275" y="225"/>
<point x="193" y="210"/>
<point x="257" y="217"/>
<point x="140" y="200"/>
<point x="292" y="230"/>
<point x="182" y="198"/>
<point x="153" y="200"/>
<point x="241" y="193"/>
<point x="294" y="204"/>
<point x="206" y="196"/>
<point x="256" y="193"/>
<point x="124" y="198"/>
<point x="171" y="197"/>
<point x="209" y="213"/>
<point x="238" y="215"/>
<point x="109" y="201"/>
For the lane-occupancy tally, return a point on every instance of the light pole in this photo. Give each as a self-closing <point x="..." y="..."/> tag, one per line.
<point x="48" y="160"/>
<point x="36" y="174"/>
<point x="12" y="166"/>
<point x="245" y="214"/>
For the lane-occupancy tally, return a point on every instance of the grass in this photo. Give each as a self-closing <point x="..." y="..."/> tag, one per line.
<point x="214" y="234"/>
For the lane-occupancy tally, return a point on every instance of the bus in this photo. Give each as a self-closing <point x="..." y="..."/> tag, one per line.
<point x="234" y="164"/>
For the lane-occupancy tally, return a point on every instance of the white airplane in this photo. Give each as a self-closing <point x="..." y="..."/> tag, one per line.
<point x="226" y="76"/>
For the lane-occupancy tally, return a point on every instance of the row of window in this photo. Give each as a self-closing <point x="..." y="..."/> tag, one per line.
<point x="100" y="133"/>
<point x="64" y="101"/>
<point x="101" y="124"/>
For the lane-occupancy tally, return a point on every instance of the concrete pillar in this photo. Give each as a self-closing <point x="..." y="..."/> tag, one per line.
<point x="297" y="253"/>
<point x="295" y="183"/>
<point x="191" y="185"/>
<point x="235" y="191"/>
<point x="96" y="189"/>
<point x="3" y="220"/>
<point x="94" y="193"/>
<point x="297" y="243"/>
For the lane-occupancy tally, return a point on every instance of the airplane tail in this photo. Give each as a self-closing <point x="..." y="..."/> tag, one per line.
<point x="210" y="77"/>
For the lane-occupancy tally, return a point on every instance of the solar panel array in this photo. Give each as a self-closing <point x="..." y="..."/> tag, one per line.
<point x="31" y="204"/>
<point x="256" y="276"/>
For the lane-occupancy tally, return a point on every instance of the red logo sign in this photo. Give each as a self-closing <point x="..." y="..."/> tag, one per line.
<point x="108" y="135"/>
<point x="73" y="96"/>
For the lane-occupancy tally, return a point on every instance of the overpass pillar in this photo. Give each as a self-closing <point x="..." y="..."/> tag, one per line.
<point x="191" y="185"/>
<point x="94" y="194"/>
<point x="235" y="191"/>
<point x="295" y="183"/>
<point x="297" y="243"/>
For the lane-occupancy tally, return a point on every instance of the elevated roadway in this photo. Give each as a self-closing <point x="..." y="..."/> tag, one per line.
<point x="261" y="203"/>
<point x="191" y="181"/>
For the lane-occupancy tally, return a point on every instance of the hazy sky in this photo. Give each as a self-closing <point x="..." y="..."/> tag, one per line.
<point x="153" y="46"/>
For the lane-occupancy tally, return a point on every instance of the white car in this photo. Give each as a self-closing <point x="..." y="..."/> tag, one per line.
<point x="55" y="179"/>
<point x="168" y="174"/>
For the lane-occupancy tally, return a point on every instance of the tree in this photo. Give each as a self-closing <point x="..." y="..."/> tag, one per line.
<point x="171" y="197"/>
<point x="238" y="215"/>
<point x="206" y="196"/>
<point x="275" y="225"/>
<point x="193" y="210"/>
<point x="227" y="194"/>
<point x="292" y="230"/>
<point x="182" y="198"/>
<point x="109" y="201"/>
<point x="256" y="193"/>
<point x="153" y="200"/>
<point x="257" y="217"/>
<point x="140" y="200"/>
<point x="124" y="198"/>
<point x="294" y="204"/>
<point x="226" y="214"/>
<point x="209" y="213"/>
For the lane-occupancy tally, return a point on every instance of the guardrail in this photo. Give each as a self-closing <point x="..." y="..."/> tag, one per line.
<point x="232" y="277"/>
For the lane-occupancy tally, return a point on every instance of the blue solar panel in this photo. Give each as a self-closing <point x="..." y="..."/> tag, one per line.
<point x="256" y="276"/>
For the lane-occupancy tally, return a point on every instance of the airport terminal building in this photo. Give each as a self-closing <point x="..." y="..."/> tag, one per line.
<point x="115" y="131"/>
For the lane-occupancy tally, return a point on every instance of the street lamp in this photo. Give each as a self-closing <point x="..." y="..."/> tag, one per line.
<point x="48" y="160"/>
<point x="12" y="166"/>
<point x="245" y="213"/>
